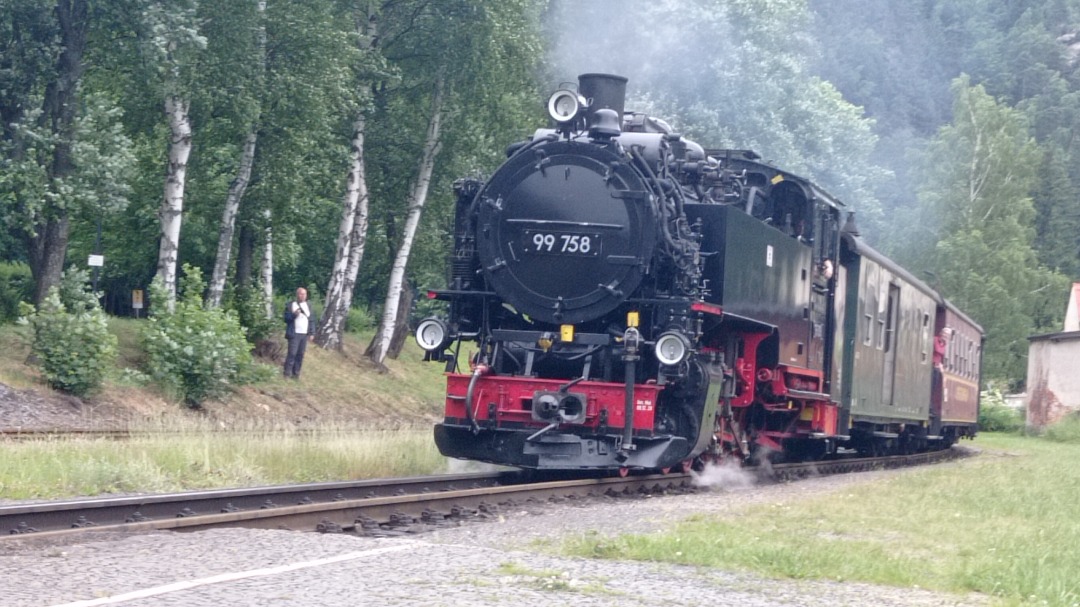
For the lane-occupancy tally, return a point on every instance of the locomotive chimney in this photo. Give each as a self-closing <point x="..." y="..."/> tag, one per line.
<point x="602" y="91"/>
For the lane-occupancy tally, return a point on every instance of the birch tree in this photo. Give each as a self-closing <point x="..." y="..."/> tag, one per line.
<point x="468" y="58"/>
<point x="352" y="231"/>
<point x="418" y="193"/>
<point x="174" y="42"/>
<point x="243" y="172"/>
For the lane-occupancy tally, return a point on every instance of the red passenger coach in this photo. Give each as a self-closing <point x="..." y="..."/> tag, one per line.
<point x="955" y="399"/>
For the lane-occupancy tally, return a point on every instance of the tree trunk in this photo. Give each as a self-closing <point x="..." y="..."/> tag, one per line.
<point x="245" y="253"/>
<point x="352" y="231"/>
<point x="380" y="344"/>
<point x="267" y="268"/>
<point x="172" y="207"/>
<point x="48" y="248"/>
<point x="49" y="240"/>
<point x="243" y="177"/>
<point x="228" y="219"/>
<point x="401" y="328"/>
<point x="356" y="250"/>
<point x="350" y="240"/>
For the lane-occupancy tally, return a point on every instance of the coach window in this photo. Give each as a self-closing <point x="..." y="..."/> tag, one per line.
<point x="956" y="354"/>
<point x="868" y="316"/>
<point x="949" y="347"/>
<point x="963" y="356"/>
<point x="971" y="359"/>
<point x="882" y="325"/>
<point x="924" y="337"/>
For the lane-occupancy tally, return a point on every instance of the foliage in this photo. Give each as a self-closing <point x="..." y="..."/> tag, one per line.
<point x="995" y="415"/>
<point x="16" y="285"/>
<point x="196" y="352"/>
<point x="249" y="304"/>
<point x="359" y="319"/>
<point x="816" y="86"/>
<point x="1065" y="431"/>
<point x="71" y="336"/>
<point x="977" y="222"/>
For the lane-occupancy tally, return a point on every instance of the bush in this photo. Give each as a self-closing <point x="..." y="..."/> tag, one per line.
<point x="16" y="285"/>
<point x="196" y="352"/>
<point x="250" y="307"/>
<point x="359" y="319"/>
<point x="995" y="415"/>
<point x="1065" y="431"/>
<point x="71" y="336"/>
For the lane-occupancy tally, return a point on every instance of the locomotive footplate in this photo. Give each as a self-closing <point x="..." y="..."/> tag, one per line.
<point x="555" y="450"/>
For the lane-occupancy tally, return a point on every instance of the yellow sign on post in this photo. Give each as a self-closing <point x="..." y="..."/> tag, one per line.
<point x="137" y="301"/>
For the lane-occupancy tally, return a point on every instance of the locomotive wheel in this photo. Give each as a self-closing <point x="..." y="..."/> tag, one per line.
<point x="665" y="470"/>
<point x="624" y="472"/>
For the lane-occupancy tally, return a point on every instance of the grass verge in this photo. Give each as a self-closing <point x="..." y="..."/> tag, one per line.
<point x="335" y="388"/>
<point x="1006" y="524"/>
<point x="50" y="469"/>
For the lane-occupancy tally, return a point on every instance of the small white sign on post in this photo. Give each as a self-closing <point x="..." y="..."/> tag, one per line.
<point x="136" y="299"/>
<point x="96" y="261"/>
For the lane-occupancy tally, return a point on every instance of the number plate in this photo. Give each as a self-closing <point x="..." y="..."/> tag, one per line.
<point x="547" y="242"/>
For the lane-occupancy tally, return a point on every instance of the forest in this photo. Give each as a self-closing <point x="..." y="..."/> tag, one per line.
<point x="272" y="144"/>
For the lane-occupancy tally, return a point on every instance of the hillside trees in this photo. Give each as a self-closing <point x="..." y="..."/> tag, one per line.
<point x="171" y="44"/>
<point x="60" y="153"/>
<point x="250" y="85"/>
<point x="352" y="229"/>
<point x="977" y="223"/>
<point x="484" y="47"/>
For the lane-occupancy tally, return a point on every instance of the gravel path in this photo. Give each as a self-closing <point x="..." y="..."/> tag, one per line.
<point x="482" y="564"/>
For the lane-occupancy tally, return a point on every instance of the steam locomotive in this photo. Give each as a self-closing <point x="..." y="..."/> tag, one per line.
<point x="622" y="298"/>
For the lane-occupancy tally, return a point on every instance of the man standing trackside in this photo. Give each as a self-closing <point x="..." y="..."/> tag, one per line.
<point x="299" y="325"/>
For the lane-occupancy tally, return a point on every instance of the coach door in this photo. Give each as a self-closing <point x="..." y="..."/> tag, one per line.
<point x="891" y="320"/>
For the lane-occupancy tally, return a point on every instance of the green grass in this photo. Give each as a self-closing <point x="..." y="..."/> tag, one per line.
<point x="49" y="469"/>
<point x="343" y="420"/>
<point x="1006" y="523"/>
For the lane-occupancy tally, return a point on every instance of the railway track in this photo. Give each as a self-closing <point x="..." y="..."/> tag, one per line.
<point x="38" y="434"/>
<point x="376" y="507"/>
<point x="23" y="434"/>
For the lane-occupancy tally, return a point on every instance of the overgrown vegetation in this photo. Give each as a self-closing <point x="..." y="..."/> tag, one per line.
<point x="997" y="416"/>
<point x="71" y="337"/>
<point x="249" y="304"/>
<point x="1065" y="431"/>
<point x="1003" y="523"/>
<point x="196" y="352"/>
<point x="16" y="285"/>
<point x="193" y="458"/>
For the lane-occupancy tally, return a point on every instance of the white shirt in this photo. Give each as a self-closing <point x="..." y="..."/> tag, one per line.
<point x="300" y="322"/>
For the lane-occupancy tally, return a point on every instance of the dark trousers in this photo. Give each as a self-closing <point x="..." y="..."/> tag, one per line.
<point x="295" y="358"/>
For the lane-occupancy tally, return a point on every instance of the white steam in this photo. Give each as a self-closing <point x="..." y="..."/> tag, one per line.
<point x="725" y="475"/>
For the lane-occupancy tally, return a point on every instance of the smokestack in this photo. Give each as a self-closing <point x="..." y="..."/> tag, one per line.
<point x="602" y="91"/>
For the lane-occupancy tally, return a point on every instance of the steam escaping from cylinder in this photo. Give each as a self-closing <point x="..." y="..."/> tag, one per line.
<point x="728" y="474"/>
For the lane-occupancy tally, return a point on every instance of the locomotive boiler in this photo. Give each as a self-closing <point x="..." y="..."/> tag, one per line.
<point x="621" y="298"/>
